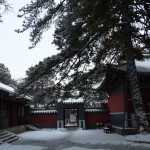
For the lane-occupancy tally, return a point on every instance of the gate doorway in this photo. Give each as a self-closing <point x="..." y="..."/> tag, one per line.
<point x="71" y="117"/>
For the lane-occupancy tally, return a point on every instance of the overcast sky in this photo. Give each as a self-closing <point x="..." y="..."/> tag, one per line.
<point x="14" y="52"/>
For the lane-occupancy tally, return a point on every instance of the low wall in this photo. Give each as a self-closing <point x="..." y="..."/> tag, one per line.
<point x="20" y="129"/>
<point x="125" y="131"/>
<point x="17" y="129"/>
<point x="44" y="120"/>
<point x="93" y="117"/>
<point x="48" y="119"/>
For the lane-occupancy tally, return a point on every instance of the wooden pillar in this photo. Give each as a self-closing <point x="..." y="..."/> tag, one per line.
<point x="21" y="113"/>
<point x="1" y="111"/>
<point x="1" y="99"/>
<point x="129" y="120"/>
<point x="13" y="113"/>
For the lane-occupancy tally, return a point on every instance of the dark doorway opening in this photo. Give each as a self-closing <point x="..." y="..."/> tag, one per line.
<point x="71" y="117"/>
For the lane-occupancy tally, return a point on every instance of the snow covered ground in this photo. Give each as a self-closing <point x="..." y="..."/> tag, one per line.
<point x="77" y="136"/>
<point x="20" y="147"/>
<point x="45" y="134"/>
<point x="78" y="148"/>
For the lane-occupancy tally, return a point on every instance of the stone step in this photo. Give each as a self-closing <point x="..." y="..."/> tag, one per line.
<point x="8" y="137"/>
<point x="4" y="135"/>
<point x="32" y="128"/>
<point x="12" y="139"/>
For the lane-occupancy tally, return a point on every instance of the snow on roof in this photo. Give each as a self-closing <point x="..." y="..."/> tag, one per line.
<point x="6" y="88"/>
<point x="143" y="66"/>
<point x="95" y="110"/>
<point x="43" y="111"/>
<point x="11" y="90"/>
<point x="143" y="69"/>
<point x="73" y="100"/>
<point x="37" y="108"/>
<point x="140" y="69"/>
<point x="145" y="63"/>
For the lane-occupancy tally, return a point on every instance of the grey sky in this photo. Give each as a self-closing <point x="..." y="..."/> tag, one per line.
<point x="14" y="52"/>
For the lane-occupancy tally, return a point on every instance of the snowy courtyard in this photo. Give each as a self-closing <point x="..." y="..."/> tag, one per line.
<point x="77" y="139"/>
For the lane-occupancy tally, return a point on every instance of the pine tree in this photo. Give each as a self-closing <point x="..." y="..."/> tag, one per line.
<point x="5" y="76"/>
<point x="85" y="84"/>
<point x="91" y="33"/>
<point x="4" y="7"/>
<point x="42" y="91"/>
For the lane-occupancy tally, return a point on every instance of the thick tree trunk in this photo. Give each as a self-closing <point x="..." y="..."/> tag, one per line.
<point x="131" y="68"/>
<point x="136" y="95"/>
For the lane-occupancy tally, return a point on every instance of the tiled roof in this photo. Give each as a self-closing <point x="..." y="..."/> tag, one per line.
<point x="6" y="88"/>
<point x="122" y="68"/>
<point x="114" y="71"/>
<point x="11" y="90"/>
<point x="73" y="100"/>
<point x="43" y="111"/>
<point x="95" y="110"/>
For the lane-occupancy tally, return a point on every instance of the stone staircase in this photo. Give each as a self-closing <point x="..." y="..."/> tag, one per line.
<point x="8" y="137"/>
<point x="32" y="128"/>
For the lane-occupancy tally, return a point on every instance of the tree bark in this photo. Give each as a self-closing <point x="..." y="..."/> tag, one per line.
<point x="136" y="95"/>
<point x="132" y="71"/>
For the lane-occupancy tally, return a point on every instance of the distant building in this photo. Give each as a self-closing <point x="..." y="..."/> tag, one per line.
<point x="13" y="111"/>
<point x="69" y="113"/>
<point x="120" y="102"/>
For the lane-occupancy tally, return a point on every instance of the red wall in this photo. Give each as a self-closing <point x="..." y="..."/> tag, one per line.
<point x="146" y="99"/>
<point x="102" y="117"/>
<point x="129" y="106"/>
<point x="91" y="118"/>
<point x="116" y="102"/>
<point x="43" y="119"/>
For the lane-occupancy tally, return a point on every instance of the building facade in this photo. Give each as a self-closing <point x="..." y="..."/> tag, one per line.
<point x="120" y="101"/>
<point x="70" y="113"/>
<point x="13" y="111"/>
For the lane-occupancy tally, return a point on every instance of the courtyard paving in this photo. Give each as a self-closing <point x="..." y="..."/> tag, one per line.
<point x="73" y="139"/>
